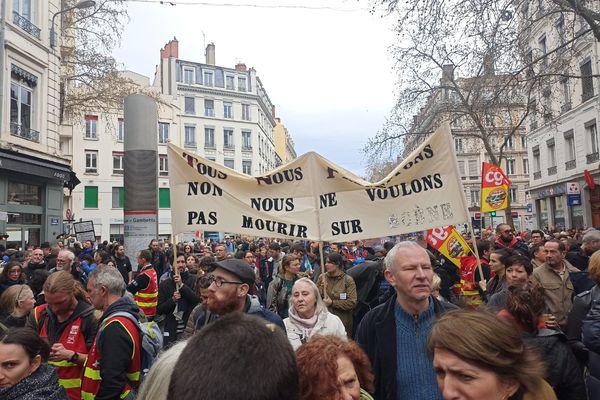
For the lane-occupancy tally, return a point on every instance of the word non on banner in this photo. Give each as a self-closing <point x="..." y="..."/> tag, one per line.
<point x="311" y="198"/>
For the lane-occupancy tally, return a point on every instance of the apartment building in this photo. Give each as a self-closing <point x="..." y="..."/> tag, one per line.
<point x="34" y="174"/>
<point x="284" y="143"/>
<point x="223" y="114"/>
<point x="563" y="121"/>
<point x="443" y="105"/>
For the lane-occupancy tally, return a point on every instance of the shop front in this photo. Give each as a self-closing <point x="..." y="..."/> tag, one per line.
<point x="31" y="198"/>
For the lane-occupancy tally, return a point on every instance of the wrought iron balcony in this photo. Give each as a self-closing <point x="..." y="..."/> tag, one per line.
<point x="23" y="132"/>
<point x="26" y="25"/>
<point x="593" y="157"/>
<point x="552" y="170"/>
<point x="537" y="175"/>
<point x="570" y="164"/>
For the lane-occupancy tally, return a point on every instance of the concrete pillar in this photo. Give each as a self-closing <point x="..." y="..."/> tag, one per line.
<point x="140" y="212"/>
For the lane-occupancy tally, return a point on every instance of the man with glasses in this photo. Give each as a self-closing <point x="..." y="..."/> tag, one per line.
<point x="227" y="288"/>
<point x="505" y="238"/>
<point x="537" y="238"/>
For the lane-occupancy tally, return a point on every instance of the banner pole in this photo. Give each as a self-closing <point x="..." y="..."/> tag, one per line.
<point x="175" y="269"/>
<point x="476" y="251"/>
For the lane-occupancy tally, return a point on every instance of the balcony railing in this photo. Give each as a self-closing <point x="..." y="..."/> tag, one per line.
<point x="26" y="25"/>
<point x="570" y="164"/>
<point x="24" y="133"/>
<point x="537" y="175"/>
<point x="246" y="148"/>
<point x="593" y="157"/>
<point x="189" y="144"/>
<point x="209" y="145"/>
<point x="552" y="170"/>
<point x="229" y="146"/>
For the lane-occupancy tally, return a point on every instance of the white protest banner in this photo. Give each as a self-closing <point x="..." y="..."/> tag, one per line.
<point x="312" y="198"/>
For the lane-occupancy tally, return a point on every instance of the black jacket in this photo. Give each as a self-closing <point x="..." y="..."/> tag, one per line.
<point x="564" y="374"/>
<point x="166" y="305"/>
<point x="591" y="340"/>
<point x="377" y="337"/>
<point x="581" y="306"/>
<point x="116" y="346"/>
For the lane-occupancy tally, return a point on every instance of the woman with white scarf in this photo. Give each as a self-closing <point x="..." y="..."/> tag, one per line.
<point x="308" y="315"/>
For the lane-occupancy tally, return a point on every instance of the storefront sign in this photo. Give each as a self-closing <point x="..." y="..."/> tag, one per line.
<point x="573" y="194"/>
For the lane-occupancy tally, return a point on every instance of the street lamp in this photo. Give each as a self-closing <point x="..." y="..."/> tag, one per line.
<point x="80" y="5"/>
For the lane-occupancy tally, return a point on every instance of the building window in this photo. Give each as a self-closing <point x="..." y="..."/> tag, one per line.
<point x="537" y="165"/>
<point x="118" y="197"/>
<point x="587" y="81"/>
<point x="229" y="163"/>
<point x="229" y="82"/>
<point x="163" y="132"/>
<point x="551" y="153"/>
<point x="21" y="113"/>
<point x="163" y="165"/>
<point x="591" y="133"/>
<point x="461" y="168"/>
<point x="566" y="94"/>
<point x="24" y="8"/>
<point x="188" y="75"/>
<point x="525" y="166"/>
<point x="458" y="145"/>
<point x="569" y="145"/>
<point x="90" y="197"/>
<point x="91" y="161"/>
<point x="117" y="163"/>
<point x="190" y="136"/>
<point x="164" y="198"/>
<point x="513" y="195"/>
<point x="241" y="84"/>
<point x="24" y="194"/>
<point x="209" y="137"/>
<point x="543" y="50"/>
<point x="246" y="112"/>
<point x="473" y="168"/>
<point x="227" y="110"/>
<point x="510" y="143"/>
<point x="228" y="138"/>
<point x="247" y="167"/>
<point x="208" y="78"/>
<point x="120" y="130"/>
<point x="475" y="197"/>
<point x="91" y="127"/>
<point x="246" y="140"/>
<point x="209" y="108"/>
<point x="190" y="106"/>
<point x="510" y="166"/>
<point x="523" y="142"/>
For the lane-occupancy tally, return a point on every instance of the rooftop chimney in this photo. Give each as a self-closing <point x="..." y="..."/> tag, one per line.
<point x="447" y="72"/>
<point x="171" y="49"/>
<point x="241" y="67"/>
<point x="210" y="54"/>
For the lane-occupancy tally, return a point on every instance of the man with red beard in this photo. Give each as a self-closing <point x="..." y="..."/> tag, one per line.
<point x="227" y="289"/>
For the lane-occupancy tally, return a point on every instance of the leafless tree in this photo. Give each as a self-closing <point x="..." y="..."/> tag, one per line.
<point x="473" y="60"/>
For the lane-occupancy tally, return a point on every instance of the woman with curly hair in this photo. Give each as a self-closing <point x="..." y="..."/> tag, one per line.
<point x="333" y="368"/>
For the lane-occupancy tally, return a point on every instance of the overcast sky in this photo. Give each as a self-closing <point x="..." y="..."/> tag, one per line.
<point x="328" y="72"/>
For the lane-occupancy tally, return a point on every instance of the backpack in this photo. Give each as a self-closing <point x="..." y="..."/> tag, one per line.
<point x="151" y="339"/>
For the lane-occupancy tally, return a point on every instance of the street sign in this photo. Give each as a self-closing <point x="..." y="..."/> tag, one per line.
<point x="573" y="194"/>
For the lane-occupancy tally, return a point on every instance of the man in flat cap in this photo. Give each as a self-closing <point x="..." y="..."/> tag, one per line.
<point x="227" y="288"/>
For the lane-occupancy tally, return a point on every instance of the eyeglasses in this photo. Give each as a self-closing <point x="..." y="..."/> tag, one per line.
<point x="207" y="280"/>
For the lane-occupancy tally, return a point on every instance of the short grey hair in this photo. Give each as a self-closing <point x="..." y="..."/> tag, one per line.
<point x="388" y="261"/>
<point x="591" y="235"/>
<point x="110" y="278"/>
<point x="69" y="254"/>
<point x="320" y="304"/>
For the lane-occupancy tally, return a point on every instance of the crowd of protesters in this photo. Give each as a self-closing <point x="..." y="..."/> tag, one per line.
<point x="272" y="319"/>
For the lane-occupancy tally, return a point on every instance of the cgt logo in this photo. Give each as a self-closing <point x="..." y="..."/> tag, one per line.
<point x="494" y="177"/>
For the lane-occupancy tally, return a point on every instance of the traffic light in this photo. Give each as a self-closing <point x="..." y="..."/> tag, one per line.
<point x="492" y="213"/>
